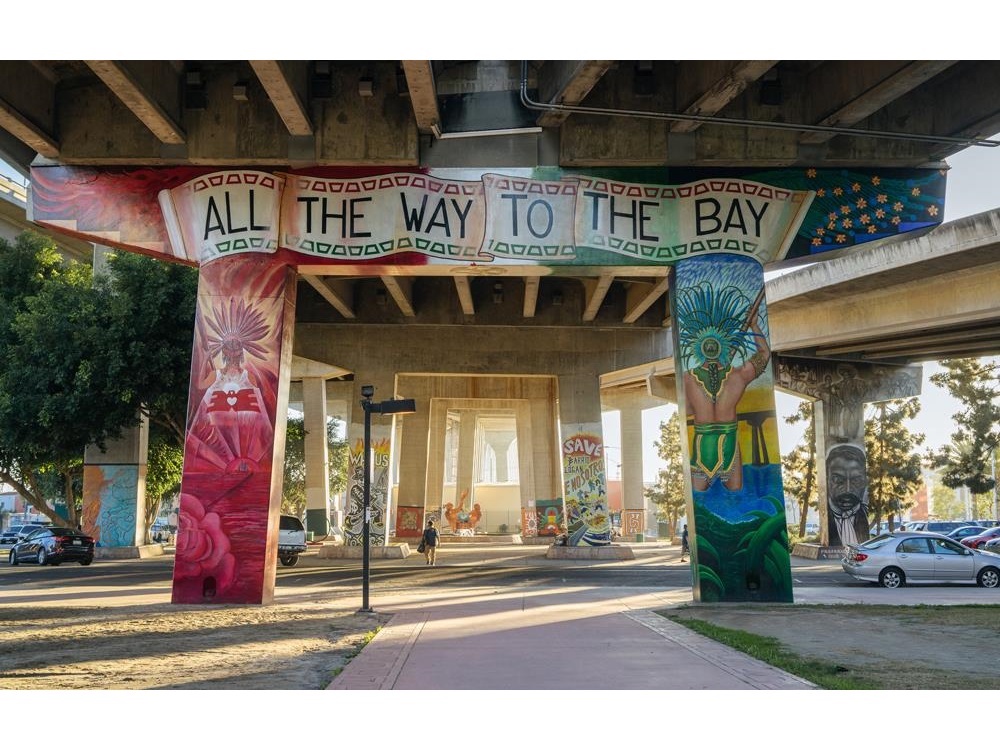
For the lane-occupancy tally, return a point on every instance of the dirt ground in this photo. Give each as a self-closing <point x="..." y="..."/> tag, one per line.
<point x="898" y="648"/>
<point x="297" y="646"/>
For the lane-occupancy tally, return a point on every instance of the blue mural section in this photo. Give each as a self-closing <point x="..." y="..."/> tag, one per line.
<point x="117" y="514"/>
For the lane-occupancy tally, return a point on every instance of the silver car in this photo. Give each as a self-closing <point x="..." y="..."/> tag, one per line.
<point x="895" y="559"/>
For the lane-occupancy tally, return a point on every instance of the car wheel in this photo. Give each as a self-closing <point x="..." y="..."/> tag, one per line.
<point x="891" y="578"/>
<point x="86" y="561"/>
<point x="988" y="578"/>
<point x="13" y="558"/>
<point x="289" y="560"/>
<point x="43" y="556"/>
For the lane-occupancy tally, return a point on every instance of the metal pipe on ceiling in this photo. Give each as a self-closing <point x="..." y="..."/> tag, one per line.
<point x="738" y="122"/>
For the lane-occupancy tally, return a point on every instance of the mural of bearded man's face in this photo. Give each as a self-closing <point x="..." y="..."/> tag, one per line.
<point x="847" y="481"/>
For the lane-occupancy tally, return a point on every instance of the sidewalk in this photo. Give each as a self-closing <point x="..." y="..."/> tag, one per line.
<point x="606" y="638"/>
<point x="570" y="638"/>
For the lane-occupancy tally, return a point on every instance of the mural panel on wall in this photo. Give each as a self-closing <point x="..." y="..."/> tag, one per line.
<point x="739" y="541"/>
<point x="109" y="504"/>
<point x="588" y="520"/>
<point x="354" y="518"/>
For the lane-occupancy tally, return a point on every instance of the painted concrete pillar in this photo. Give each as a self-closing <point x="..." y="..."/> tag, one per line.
<point x="585" y="489"/>
<point x="114" y="489"/>
<point x="437" y="434"/>
<point x="234" y="450"/>
<point x="841" y="390"/>
<point x="736" y="519"/>
<point x="317" y="456"/>
<point x="381" y="443"/>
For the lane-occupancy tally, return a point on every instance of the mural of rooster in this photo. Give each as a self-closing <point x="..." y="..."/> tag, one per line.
<point x="459" y="518"/>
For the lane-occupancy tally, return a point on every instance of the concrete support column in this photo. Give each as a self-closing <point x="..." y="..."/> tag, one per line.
<point x="340" y="402"/>
<point x="114" y="490"/>
<point x="840" y="390"/>
<point x="234" y="450"/>
<point x="413" y="469"/>
<point x="584" y="479"/>
<point x="465" y="483"/>
<point x="633" y="498"/>
<point x="434" y="483"/>
<point x="500" y="443"/>
<point x="317" y="456"/>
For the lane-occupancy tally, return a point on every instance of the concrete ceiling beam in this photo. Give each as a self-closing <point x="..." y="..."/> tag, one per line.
<point x="401" y="290"/>
<point x="140" y="100"/>
<point x="338" y="292"/>
<point x="423" y="94"/>
<point x="568" y="82"/>
<point x="26" y="131"/>
<point x="597" y="290"/>
<point x="640" y="296"/>
<point x="283" y="84"/>
<point x="464" y="289"/>
<point x="722" y="91"/>
<point x="531" y="284"/>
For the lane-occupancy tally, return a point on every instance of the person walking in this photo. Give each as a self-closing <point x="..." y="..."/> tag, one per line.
<point x="685" y="550"/>
<point x="430" y="543"/>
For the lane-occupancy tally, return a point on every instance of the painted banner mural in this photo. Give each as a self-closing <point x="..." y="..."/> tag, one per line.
<point x="378" y="509"/>
<point x="250" y="229"/>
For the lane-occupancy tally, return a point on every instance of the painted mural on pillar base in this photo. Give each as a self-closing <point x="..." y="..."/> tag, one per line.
<point x="588" y="519"/>
<point x="354" y="520"/>
<point x="226" y="547"/>
<point x="109" y="503"/>
<point x="739" y="540"/>
<point x="409" y="521"/>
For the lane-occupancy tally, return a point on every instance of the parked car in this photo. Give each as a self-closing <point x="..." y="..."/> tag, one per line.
<point x="963" y="531"/>
<point x="10" y="534"/>
<point x="52" y="545"/>
<point x="24" y="529"/>
<point x="977" y="541"/>
<point x="291" y="540"/>
<point x="893" y="560"/>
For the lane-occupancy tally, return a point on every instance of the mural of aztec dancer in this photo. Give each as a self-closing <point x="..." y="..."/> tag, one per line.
<point x="379" y="491"/>
<point x="740" y="543"/>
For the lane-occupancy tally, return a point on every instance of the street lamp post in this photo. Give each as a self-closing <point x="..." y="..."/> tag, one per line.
<point x="391" y="406"/>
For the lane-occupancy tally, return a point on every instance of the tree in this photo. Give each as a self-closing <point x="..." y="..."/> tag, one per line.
<point x="799" y="466"/>
<point x="892" y="459"/>
<point x="293" y="496"/>
<point x="968" y="460"/>
<point x="946" y="504"/>
<point x="165" y="463"/>
<point x="83" y="360"/>
<point x="668" y="493"/>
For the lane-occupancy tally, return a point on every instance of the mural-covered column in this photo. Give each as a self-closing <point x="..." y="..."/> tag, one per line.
<point x="235" y="444"/>
<point x="381" y="441"/>
<point x="585" y="488"/>
<point x="114" y="489"/>
<point x="739" y="541"/>
<point x="841" y="390"/>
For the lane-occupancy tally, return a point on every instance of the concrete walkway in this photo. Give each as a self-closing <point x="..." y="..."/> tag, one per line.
<point x="551" y="638"/>
<point x="582" y="637"/>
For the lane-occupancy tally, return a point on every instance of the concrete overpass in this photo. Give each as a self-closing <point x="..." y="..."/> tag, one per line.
<point x="899" y="302"/>
<point x="518" y="335"/>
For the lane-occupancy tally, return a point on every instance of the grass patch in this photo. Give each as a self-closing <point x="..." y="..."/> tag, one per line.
<point x="826" y="675"/>
<point x="365" y="639"/>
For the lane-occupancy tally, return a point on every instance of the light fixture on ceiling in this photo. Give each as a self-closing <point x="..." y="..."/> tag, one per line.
<point x="380" y="297"/>
<point x="366" y="87"/>
<point x="497" y="293"/>
<point x="557" y="298"/>
<point x="240" y="91"/>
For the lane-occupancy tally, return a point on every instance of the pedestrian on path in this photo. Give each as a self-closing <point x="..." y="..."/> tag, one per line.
<point x="429" y="541"/>
<point x="685" y="550"/>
